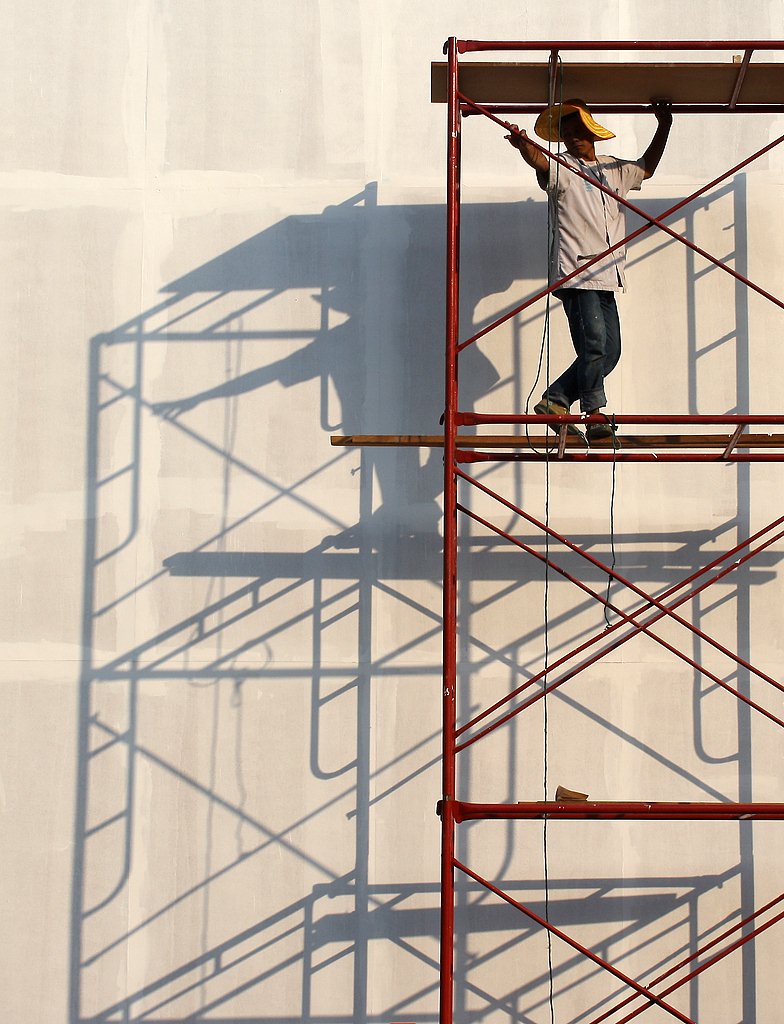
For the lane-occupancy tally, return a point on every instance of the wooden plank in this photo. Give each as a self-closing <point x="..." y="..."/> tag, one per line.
<point x="630" y="441"/>
<point x="613" y="83"/>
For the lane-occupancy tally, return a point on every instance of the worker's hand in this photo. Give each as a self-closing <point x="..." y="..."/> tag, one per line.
<point x="516" y="137"/>
<point x="662" y="111"/>
<point x="528" y="150"/>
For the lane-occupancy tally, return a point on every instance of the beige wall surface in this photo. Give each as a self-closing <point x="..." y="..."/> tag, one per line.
<point x="222" y="230"/>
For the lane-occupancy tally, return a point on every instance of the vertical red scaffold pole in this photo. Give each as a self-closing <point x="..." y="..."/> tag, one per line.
<point x="450" y="547"/>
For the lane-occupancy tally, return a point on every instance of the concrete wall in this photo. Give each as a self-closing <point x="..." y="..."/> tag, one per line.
<point x="222" y="235"/>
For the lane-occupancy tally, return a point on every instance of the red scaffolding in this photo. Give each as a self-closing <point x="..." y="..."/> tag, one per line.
<point x="495" y="90"/>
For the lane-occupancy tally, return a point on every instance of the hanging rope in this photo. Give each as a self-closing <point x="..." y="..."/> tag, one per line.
<point x="556" y="74"/>
<point x="544" y="360"/>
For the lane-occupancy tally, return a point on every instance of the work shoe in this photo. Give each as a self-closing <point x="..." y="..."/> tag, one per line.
<point x="547" y="407"/>
<point x="597" y="432"/>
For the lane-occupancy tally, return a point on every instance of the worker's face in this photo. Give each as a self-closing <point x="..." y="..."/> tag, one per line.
<point x="577" y="139"/>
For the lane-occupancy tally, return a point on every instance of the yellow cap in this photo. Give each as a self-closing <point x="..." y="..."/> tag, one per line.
<point x="549" y="121"/>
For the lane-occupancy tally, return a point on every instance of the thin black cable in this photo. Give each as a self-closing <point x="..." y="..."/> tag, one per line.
<point x="546" y="743"/>
<point x="545" y="716"/>
<point x="616" y="446"/>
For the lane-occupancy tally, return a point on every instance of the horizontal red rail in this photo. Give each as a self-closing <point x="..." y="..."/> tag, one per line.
<point x="618" y="455"/>
<point x="611" y="810"/>
<point x="473" y="419"/>
<point x="476" y="45"/>
<point x="468" y="110"/>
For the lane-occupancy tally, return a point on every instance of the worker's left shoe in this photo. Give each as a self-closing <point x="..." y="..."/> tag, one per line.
<point x="547" y="407"/>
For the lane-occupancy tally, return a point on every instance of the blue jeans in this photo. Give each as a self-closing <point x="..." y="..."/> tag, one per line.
<point x="596" y="336"/>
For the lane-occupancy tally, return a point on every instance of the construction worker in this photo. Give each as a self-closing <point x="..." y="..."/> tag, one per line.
<point x="587" y="222"/>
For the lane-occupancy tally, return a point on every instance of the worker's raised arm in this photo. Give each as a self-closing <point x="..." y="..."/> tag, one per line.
<point x="662" y="111"/>
<point x="532" y="156"/>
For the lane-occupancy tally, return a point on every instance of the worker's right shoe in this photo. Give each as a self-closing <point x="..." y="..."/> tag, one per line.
<point x="547" y="407"/>
<point x="596" y="433"/>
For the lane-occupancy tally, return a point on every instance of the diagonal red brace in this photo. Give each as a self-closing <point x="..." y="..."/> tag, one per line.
<point x="649" y="602"/>
<point x="627" y="617"/>
<point x="593" y="957"/>
<point x="696" y="955"/>
<point x="597" y="563"/>
<point x="651" y="222"/>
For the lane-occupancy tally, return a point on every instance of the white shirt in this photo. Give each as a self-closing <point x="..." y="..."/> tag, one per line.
<point x="588" y="221"/>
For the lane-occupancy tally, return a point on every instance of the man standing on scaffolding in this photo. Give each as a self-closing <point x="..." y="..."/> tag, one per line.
<point x="586" y="222"/>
